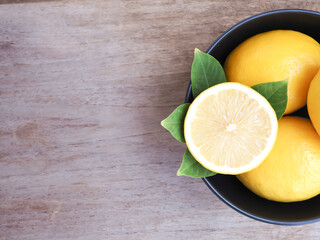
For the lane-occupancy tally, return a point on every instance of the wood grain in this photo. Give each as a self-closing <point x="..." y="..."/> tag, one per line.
<point x="23" y="1"/>
<point x="83" y="88"/>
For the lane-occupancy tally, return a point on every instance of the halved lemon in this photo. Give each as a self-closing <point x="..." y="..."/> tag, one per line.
<point x="230" y="128"/>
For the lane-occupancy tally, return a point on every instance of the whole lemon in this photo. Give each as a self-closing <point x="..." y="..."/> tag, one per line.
<point x="291" y="172"/>
<point x="314" y="102"/>
<point x="275" y="56"/>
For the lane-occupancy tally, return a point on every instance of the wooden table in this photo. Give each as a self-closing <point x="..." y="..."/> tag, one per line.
<point x="83" y="88"/>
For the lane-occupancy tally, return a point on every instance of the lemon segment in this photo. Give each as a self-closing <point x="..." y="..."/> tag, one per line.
<point x="230" y="128"/>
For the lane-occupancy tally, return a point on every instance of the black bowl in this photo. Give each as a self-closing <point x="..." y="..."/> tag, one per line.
<point x="228" y="188"/>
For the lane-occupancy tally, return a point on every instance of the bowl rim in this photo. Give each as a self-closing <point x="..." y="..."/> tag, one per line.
<point x="189" y="96"/>
<point x="252" y="216"/>
<point x="258" y="16"/>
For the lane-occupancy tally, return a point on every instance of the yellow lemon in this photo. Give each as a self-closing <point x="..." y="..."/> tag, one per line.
<point x="275" y="56"/>
<point x="291" y="172"/>
<point x="230" y="128"/>
<point x="314" y="102"/>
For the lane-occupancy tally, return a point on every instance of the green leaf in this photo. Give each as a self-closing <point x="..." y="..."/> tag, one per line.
<point x="192" y="168"/>
<point x="206" y="72"/>
<point x="175" y="122"/>
<point x="276" y="94"/>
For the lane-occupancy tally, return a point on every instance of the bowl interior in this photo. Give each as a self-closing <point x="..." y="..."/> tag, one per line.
<point x="229" y="188"/>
